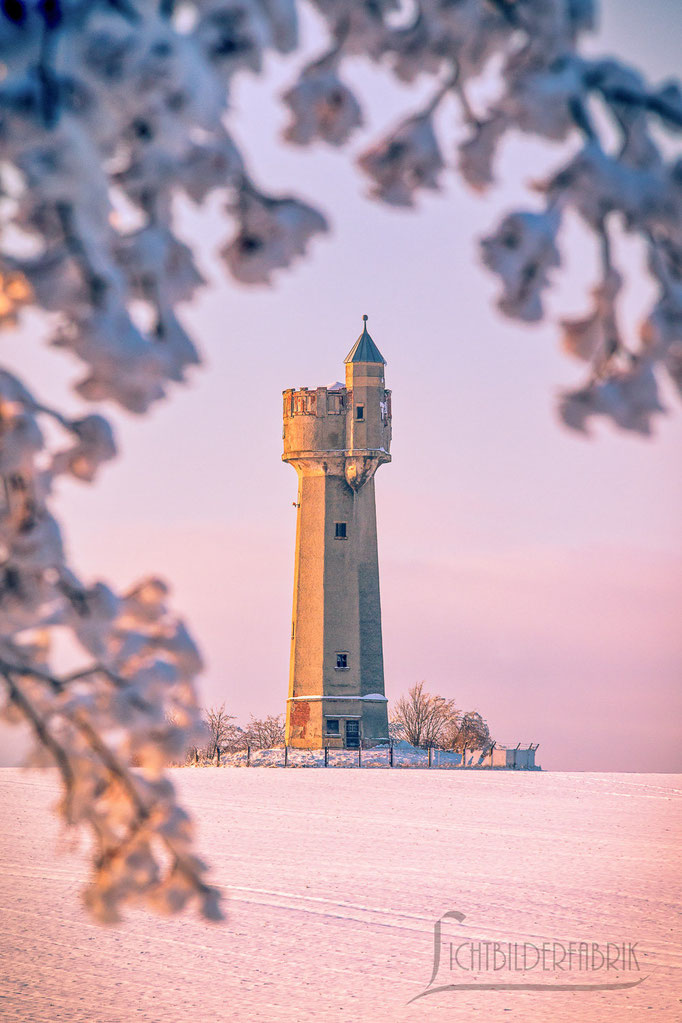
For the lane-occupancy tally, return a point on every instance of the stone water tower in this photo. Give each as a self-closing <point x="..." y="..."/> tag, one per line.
<point x="336" y="438"/>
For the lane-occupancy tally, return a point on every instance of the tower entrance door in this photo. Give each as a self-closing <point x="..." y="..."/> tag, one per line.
<point x="352" y="734"/>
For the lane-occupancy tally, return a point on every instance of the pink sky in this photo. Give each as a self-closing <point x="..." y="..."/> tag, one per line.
<point x="528" y="573"/>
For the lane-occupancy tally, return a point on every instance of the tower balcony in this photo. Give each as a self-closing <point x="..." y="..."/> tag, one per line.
<point x="325" y="432"/>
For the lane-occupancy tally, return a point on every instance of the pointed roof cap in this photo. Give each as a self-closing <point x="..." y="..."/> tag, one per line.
<point x="364" y="349"/>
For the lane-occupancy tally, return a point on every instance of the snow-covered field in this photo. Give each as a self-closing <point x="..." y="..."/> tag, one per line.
<point x="335" y="881"/>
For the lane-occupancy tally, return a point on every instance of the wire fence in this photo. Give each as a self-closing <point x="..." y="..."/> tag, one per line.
<point x="386" y="756"/>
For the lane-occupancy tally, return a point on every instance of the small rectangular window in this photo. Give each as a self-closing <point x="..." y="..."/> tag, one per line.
<point x="340" y="530"/>
<point x="359" y="413"/>
<point x="342" y="660"/>
<point x="332" y="726"/>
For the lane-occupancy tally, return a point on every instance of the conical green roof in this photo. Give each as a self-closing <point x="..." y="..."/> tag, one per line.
<point x="364" y="349"/>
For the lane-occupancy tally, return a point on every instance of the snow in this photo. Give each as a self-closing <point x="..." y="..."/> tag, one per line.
<point x="335" y="880"/>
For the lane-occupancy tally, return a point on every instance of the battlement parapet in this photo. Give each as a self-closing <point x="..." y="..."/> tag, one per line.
<point x="302" y="401"/>
<point x="322" y="401"/>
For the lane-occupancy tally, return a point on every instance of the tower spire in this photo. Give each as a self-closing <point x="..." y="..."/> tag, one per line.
<point x="364" y="349"/>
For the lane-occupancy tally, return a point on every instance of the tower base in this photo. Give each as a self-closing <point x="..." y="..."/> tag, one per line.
<point x="336" y="722"/>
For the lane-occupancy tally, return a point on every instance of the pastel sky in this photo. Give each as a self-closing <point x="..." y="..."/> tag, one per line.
<point x="530" y="574"/>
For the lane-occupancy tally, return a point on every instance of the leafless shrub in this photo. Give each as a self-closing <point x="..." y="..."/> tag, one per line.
<point x="223" y="734"/>
<point x="265" y="733"/>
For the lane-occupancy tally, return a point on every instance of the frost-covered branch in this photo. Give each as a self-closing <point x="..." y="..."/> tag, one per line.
<point x="129" y="700"/>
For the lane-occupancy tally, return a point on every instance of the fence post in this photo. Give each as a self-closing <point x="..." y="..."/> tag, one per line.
<point x="326" y="756"/>
<point x="248" y="756"/>
<point x="360" y="753"/>
<point x="464" y="757"/>
<point x="430" y="752"/>
<point x="286" y="756"/>
<point x="390" y="754"/>
<point x="196" y="757"/>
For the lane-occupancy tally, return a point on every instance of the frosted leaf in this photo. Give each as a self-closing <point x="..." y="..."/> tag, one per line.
<point x="95" y="445"/>
<point x="361" y="25"/>
<point x="467" y="32"/>
<point x="663" y="326"/>
<point x="623" y="88"/>
<point x="92" y="612"/>
<point x="55" y="280"/>
<point x="540" y="102"/>
<point x="283" y="19"/>
<point x="639" y="148"/>
<point x="272" y="233"/>
<point x="35" y="646"/>
<point x="673" y="364"/>
<point x="173" y="894"/>
<point x="209" y="164"/>
<point x="322" y="107"/>
<point x="154" y="259"/>
<point x="110" y="47"/>
<point x="102" y="904"/>
<point x="411" y="50"/>
<point x="123" y="364"/>
<point x="233" y="34"/>
<point x="210" y="906"/>
<point x="13" y="391"/>
<point x="127" y="648"/>
<point x="597" y="184"/>
<point x="668" y="105"/>
<point x="15" y="292"/>
<point x="147" y="600"/>
<point x="37" y="544"/>
<point x="21" y="437"/>
<point x="582" y="14"/>
<point x="405" y="161"/>
<point x="661" y="331"/>
<point x="183" y="648"/>
<point x="175" y="346"/>
<point x="141" y="866"/>
<point x="596" y="334"/>
<point x="629" y="398"/>
<point x="156" y="673"/>
<point x="582" y="338"/>
<point x="522" y="252"/>
<point x="477" y="152"/>
<point x="65" y="168"/>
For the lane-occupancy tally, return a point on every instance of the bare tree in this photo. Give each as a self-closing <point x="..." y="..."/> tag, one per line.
<point x="265" y="733"/>
<point x="468" y="731"/>
<point x="423" y="716"/>
<point x="221" y="730"/>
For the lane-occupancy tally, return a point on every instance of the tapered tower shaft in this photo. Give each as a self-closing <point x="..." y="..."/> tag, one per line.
<point x="336" y="438"/>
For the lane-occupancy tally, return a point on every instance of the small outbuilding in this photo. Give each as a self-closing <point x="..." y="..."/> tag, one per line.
<point x="515" y="757"/>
